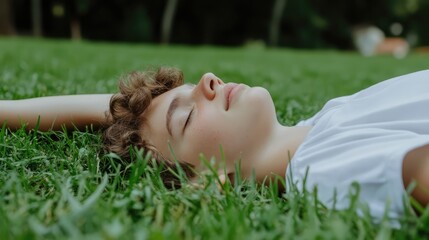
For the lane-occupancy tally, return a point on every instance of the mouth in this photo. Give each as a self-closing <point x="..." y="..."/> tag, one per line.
<point x="229" y="90"/>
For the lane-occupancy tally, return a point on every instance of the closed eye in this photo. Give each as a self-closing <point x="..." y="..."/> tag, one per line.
<point x="188" y="120"/>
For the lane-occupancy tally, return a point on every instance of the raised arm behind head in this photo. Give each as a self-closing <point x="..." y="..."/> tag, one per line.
<point x="55" y="112"/>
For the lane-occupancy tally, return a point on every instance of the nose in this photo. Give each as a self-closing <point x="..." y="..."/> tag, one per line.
<point x="208" y="85"/>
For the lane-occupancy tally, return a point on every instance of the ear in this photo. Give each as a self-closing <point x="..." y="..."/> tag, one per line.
<point x="222" y="179"/>
<point x="223" y="176"/>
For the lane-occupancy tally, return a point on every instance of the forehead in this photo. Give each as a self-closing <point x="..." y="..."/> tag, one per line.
<point x="160" y="104"/>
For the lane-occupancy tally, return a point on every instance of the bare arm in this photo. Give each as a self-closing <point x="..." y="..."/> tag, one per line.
<point x="56" y="111"/>
<point x="416" y="167"/>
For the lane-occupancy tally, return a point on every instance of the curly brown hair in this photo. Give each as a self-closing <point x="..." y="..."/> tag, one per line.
<point x="124" y="119"/>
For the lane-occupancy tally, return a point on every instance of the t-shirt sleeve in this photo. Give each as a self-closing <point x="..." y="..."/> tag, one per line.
<point x="393" y="88"/>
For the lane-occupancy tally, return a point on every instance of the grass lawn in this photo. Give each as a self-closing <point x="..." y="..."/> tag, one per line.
<point x="61" y="185"/>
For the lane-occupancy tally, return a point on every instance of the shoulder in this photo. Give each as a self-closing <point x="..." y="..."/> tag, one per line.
<point x="403" y="88"/>
<point x="408" y="83"/>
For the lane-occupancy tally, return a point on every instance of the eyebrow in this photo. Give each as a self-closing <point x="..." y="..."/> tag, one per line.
<point x="171" y="109"/>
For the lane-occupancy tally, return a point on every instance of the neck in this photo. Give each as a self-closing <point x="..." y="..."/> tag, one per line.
<point x="279" y="149"/>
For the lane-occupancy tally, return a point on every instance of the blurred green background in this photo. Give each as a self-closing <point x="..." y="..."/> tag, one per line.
<point x="288" y="23"/>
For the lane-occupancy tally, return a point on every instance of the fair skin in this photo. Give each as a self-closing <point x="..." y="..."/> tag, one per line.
<point x="242" y="123"/>
<point x="246" y="127"/>
<point x="262" y="145"/>
<point x="71" y="111"/>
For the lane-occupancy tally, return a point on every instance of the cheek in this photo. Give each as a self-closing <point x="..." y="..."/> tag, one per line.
<point x="205" y="136"/>
<point x="208" y="129"/>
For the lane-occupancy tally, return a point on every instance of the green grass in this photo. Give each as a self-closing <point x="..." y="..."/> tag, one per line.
<point x="61" y="185"/>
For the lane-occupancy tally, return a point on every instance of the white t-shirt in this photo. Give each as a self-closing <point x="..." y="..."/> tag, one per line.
<point x="363" y="138"/>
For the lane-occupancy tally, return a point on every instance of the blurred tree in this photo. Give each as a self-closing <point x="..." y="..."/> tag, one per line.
<point x="6" y="18"/>
<point x="136" y="26"/>
<point x="167" y="20"/>
<point x="302" y="25"/>
<point x="36" y="12"/>
<point x="416" y="25"/>
<point x="76" y="9"/>
<point x="328" y="24"/>
<point x="277" y="13"/>
<point x="73" y="9"/>
<point x="291" y="23"/>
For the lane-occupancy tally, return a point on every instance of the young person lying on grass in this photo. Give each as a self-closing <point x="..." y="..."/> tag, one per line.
<point x="378" y="137"/>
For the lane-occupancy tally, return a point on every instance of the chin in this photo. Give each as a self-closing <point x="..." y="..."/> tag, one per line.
<point x="260" y="99"/>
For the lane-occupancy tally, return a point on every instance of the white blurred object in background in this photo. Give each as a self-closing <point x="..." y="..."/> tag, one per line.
<point x="370" y="41"/>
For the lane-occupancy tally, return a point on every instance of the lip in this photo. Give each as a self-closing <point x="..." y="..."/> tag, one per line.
<point x="230" y="90"/>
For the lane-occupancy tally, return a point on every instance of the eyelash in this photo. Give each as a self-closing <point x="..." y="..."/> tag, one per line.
<point x="188" y="119"/>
